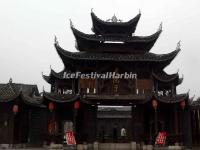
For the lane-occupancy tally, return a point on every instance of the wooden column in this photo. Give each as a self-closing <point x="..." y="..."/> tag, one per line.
<point x="156" y="87"/>
<point x="11" y="126"/>
<point x="155" y="105"/>
<point x="194" y="126"/>
<point x="156" y="121"/>
<point x="182" y="124"/>
<point x="95" y="121"/>
<point x="176" y="120"/>
<point x="73" y="86"/>
<point x="198" y="126"/>
<point x="29" y="124"/>
<point x="74" y="120"/>
<point x="133" y="123"/>
<point x="173" y="89"/>
<point x="187" y="136"/>
<point x="96" y="86"/>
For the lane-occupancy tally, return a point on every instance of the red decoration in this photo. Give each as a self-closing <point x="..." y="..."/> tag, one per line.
<point x="70" y="139"/>
<point x="51" y="127"/>
<point x="154" y="104"/>
<point x="182" y="104"/>
<point x="15" y="109"/>
<point x="51" y="106"/>
<point x="77" y="105"/>
<point x="161" y="138"/>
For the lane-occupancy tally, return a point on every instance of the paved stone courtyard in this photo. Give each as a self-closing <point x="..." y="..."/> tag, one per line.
<point x="102" y="146"/>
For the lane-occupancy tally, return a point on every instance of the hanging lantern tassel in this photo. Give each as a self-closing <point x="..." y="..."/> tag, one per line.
<point x="77" y="105"/>
<point x="154" y="104"/>
<point x="51" y="106"/>
<point x="182" y="104"/>
<point x="15" y="109"/>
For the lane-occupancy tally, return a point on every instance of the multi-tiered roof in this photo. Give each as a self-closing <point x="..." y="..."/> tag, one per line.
<point x="115" y="41"/>
<point x="114" y="36"/>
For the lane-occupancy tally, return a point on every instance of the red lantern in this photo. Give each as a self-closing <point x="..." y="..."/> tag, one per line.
<point x="77" y="105"/>
<point x="15" y="109"/>
<point x="182" y="104"/>
<point x="51" y="106"/>
<point x="154" y="104"/>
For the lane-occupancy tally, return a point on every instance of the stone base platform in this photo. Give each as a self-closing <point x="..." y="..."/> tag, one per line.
<point x="98" y="146"/>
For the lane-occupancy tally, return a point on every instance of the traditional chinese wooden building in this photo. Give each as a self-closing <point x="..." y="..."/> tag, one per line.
<point x="77" y="103"/>
<point x="113" y="47"/>
<point x="20" y="107"/>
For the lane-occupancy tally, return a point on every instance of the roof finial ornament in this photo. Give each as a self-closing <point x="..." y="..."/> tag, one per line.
<point x="55" y="39"/>
<point x="91" y="10"/>
<point x="114" y="18"/>
<point x="139" y="11"/>
<point x="183" y="76"/>
<point x="188" y="92"/>
<point x="71" y="23"/>
<point x="160" y="27"/>
<point x="178" y="45"/>
<point x="10" y="80"/>
<point x="50" y="66"/>
<point x="43" y="88"/>
<point x="178" y="70"/>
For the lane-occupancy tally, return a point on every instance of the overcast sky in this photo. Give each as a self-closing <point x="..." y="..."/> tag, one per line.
<point x="27" y="29"/>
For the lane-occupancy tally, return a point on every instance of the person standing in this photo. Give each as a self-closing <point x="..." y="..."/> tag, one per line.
<point x="123" y="134"/>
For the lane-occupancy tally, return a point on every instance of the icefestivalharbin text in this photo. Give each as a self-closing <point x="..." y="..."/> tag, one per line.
<point x="94" y="75"/>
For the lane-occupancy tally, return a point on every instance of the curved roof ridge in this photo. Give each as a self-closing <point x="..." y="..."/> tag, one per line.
<point x="94" y="37"/>
<point x="164" y="77"/>
<point x="128" y="44"/>
<point x="33" y="100"/>
<point x="135" y="19"/>
<point x="46" y="78"/>
<point x="57" y="74"/>
<point x="115" y="56"/>
<point x="54" y="74"/>
<point x="172" y="98"/>
<point x="114" y="27"/>
<point x="61" y="98"/>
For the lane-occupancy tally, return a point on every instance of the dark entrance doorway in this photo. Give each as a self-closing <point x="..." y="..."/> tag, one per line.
<point x="111" y="120"/>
